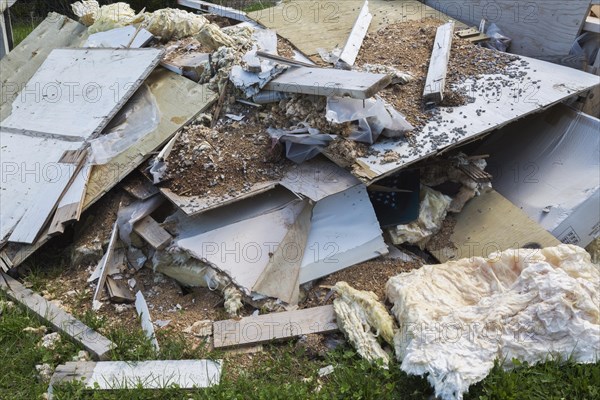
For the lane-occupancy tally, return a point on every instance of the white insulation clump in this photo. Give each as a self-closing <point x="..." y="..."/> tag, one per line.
<point x="457" y="318"/>
<point x="363" y="319"/>
<point x="432" y="212"/>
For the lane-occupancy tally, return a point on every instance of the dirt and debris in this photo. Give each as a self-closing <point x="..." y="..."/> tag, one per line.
<point x="442" y="239"/>
<point x="226" y="160"/>
<point x="406" y="46"/>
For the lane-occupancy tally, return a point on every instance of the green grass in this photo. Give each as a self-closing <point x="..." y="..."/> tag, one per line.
<point x="282" y="371"/>
<point x="22" y="29"/>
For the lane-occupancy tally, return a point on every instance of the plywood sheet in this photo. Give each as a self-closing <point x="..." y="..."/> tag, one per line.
<point x="518" y="97"/>
<point x="23" y="61"/>
<point x="76" y="92"/>
<point x="490" y="223"/>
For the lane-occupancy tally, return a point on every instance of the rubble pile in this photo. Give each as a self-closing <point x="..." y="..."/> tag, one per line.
<point x="229" y="175"/>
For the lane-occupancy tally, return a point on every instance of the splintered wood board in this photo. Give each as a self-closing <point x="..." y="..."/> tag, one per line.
<point x="23" y="61"/>
<point x="490" y="223"/>
<point x="268" y="327"/>
<point x="76" y="92"/>
<point x="30" y="173"/>
<point x="329" y="82"/>
<point x="57" y="318"/>
<point x="312" y="25"/>
<point x="179" y="101"/>
<point x="537" y="28"/>
<point x="490" y="110"/>
<point x="154" y="234"/>
<point x="119" y="375"/>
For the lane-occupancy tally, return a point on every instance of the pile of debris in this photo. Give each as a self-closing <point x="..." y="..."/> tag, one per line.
<point x="211" y="150"/>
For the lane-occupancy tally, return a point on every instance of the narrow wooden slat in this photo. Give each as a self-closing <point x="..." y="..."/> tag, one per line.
<point x="264" y="328"/>
<point x="103" y="267"/>
<point x="57" y="318"/>
<point x="438" y="65"/>
<point x="355" y="40"/>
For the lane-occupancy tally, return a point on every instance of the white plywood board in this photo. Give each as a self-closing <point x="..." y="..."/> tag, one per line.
<point x="359" y="31"/>
<point x="161" y="374"/>
<point x="20" y="64"/>
<point x="30" y="172"/>
<point x="76" y="92"/>
<point x="514" y="97"/>
<point x="344" y="232"/>
<point x="120" y="37"/>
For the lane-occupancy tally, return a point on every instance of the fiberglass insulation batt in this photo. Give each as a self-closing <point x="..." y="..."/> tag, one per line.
<point x="457" y="318"/>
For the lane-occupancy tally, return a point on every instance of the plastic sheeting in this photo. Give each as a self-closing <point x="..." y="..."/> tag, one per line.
<point x="139" y="117"/>
<point x="301" y="143"/>
<point x="457" y="318"/>
<point x="374" y="117"/>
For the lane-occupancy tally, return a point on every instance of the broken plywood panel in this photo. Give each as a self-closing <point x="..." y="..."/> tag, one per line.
<point x="76" y="92"/>
<point x="268" y="327"/>
<point x="344" y="232"/>
<point x="57" y="318"/>
<point x="355" y="40"/>
<point x="516" y="98"/>
<point x="23" y="61"/>
<point x="25" y="179"/>
<point x="144" y="313"/>
<point x="179" y="101"/>
<point x="118" y="375"/>
<point x="70" y="205"/>
<point x="329" y="82"/>
<point x="490" y="223"/>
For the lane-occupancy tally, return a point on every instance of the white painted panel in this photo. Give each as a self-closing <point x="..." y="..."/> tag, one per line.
<point x="119" y="37"/>
<point x="76" y="92"/>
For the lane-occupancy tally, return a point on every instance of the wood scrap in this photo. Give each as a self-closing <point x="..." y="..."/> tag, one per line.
<point x="284" y="60"/>
<point x="154" y="234"/>
<point x="438" y="66"/>
<point x="357" y="35"/>
<point x="118" y="291"/>
<point x="96" y="344"/>
<point x="219" y="106"/>
<point x="144" y="313"/>
<point x="268" y="327"/>
<point x="329" y="82"/>
<point x="103" y="267"/>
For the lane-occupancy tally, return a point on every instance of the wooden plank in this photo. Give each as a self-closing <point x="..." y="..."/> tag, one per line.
<point x="23" y="61"/>
<point x="283" y="60"/>
<point x="153" y="233"/>
<point x="355" y="40"/>
<point x="491" y="223"/>
<point x="329" y="82"/>
<point x="216" y="9"/>
<point x="122" y="375"/>
<point x="144" y="313"/>
<point x="57" y="318"/>
<point x="75" y="102"/>
<point x="537" y="28"/>
<point x="107" y="259"/>
<point x="118" y="291"/>
<point x="268" y="327"/>
<point x="435" y="83"/>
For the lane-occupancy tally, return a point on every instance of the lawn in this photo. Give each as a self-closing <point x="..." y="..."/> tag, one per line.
<point x="281" y="371"/>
